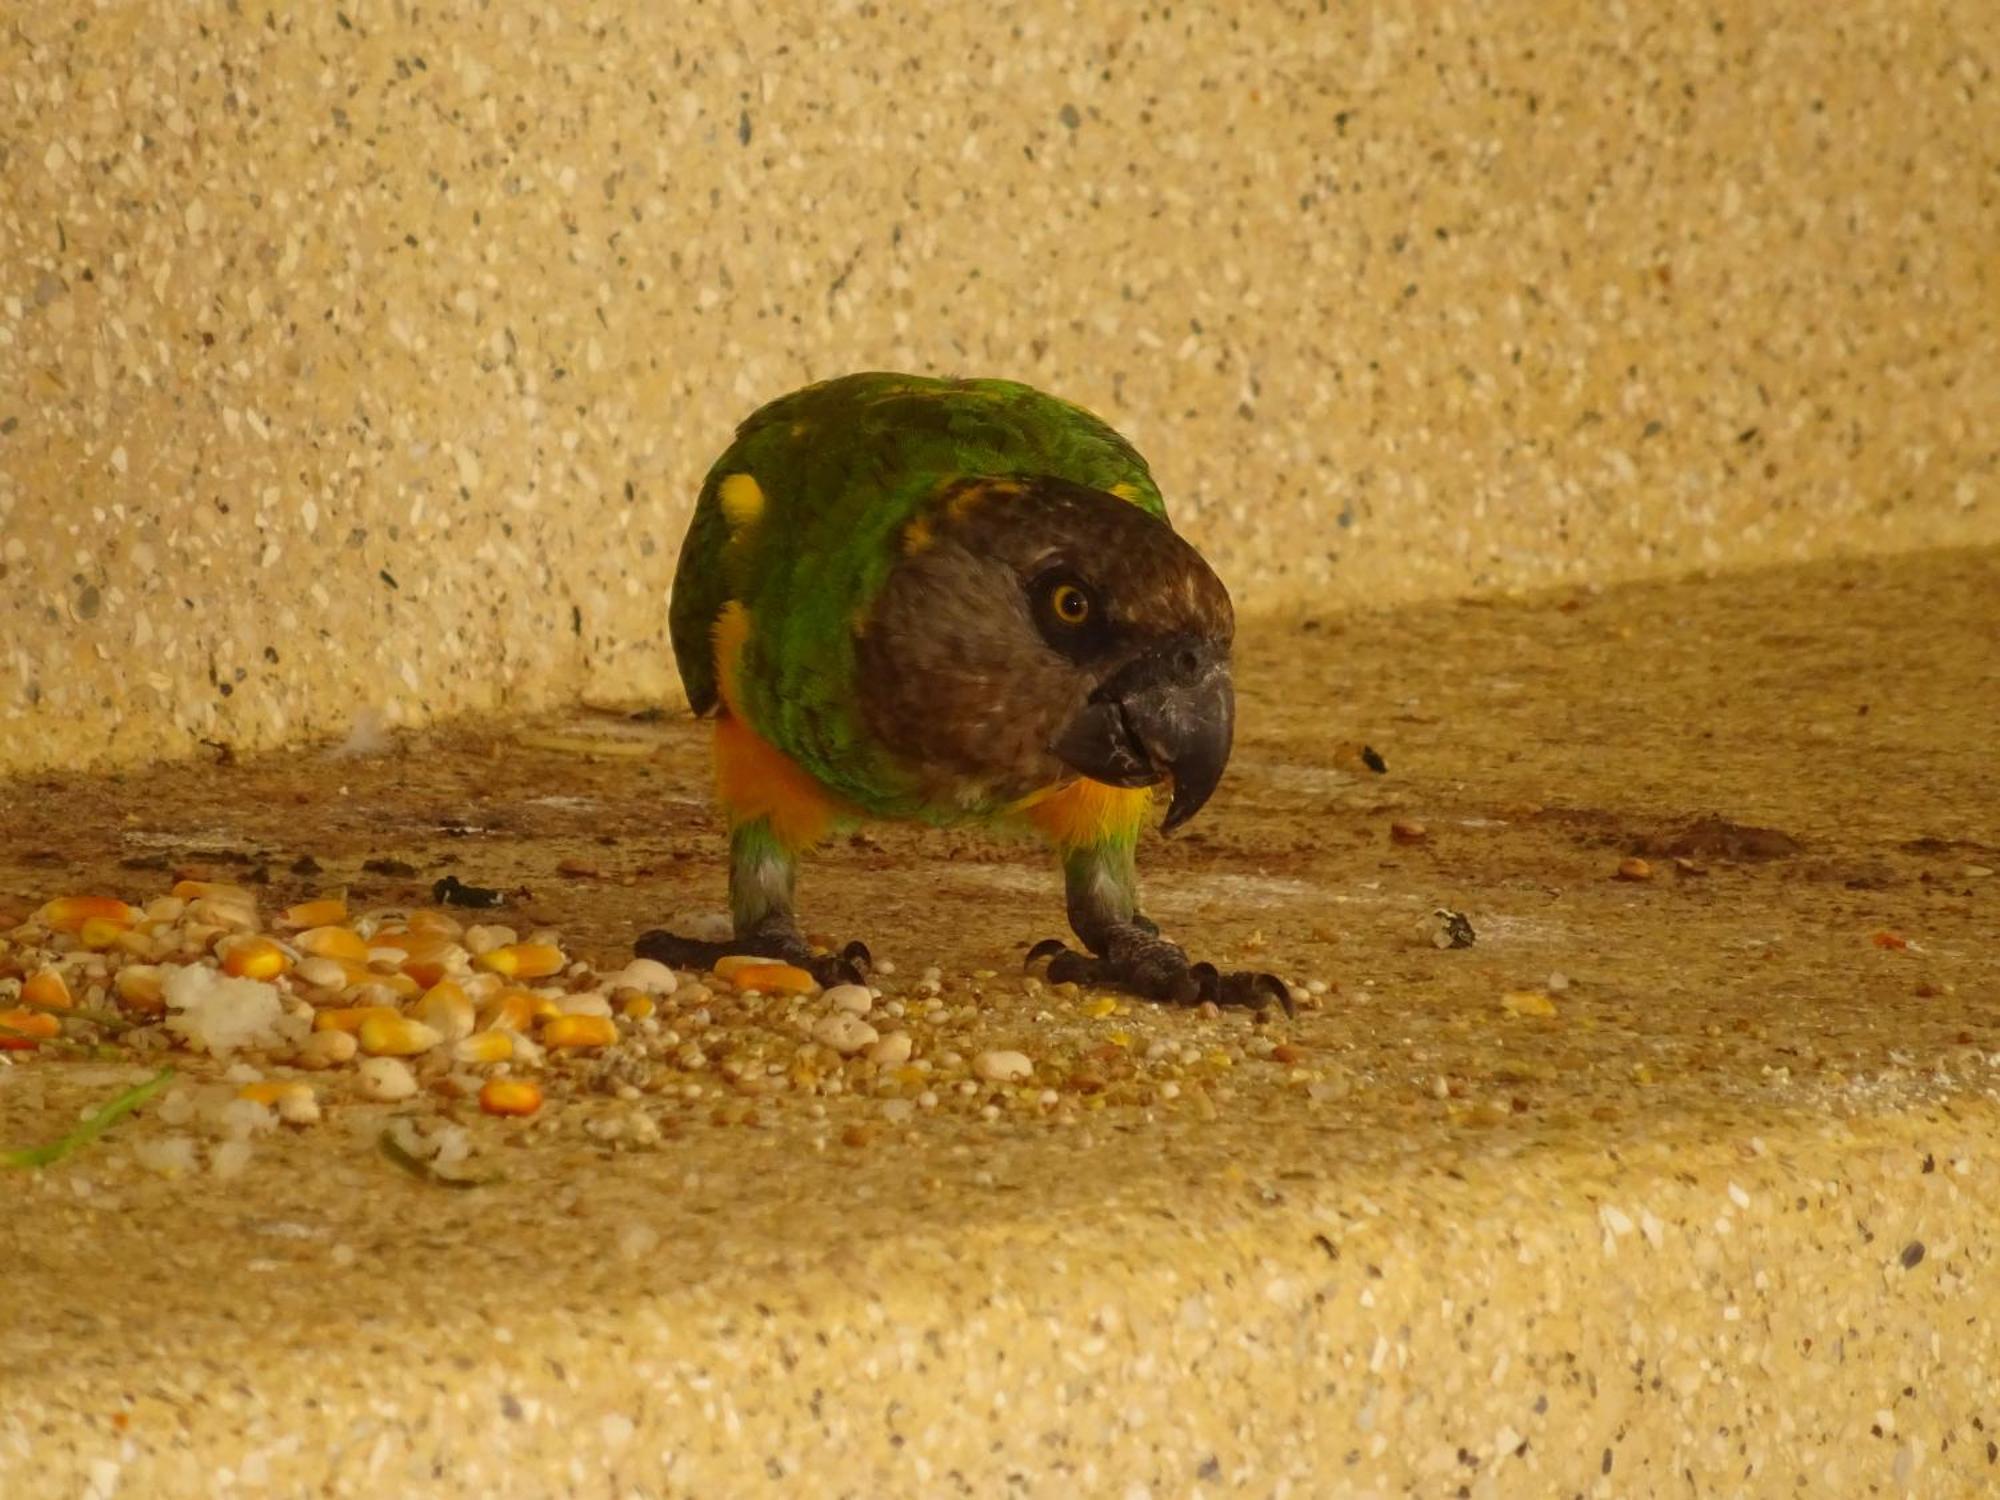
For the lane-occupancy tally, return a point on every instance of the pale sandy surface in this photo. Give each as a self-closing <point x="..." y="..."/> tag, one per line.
<point x="1723" y="1224"/>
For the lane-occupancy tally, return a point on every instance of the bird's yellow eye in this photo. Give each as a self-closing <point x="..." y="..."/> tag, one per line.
<point x="1070" y="603"/>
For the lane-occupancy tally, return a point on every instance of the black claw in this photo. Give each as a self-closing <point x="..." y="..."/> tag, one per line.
<point x="1046" y="948"/>
<point x="1071" y="967"/>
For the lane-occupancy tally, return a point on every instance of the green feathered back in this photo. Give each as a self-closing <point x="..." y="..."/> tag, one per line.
<point x="842" y="466"/>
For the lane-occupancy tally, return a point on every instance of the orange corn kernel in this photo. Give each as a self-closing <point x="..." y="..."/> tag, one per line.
<point x="69" y="913"/>
<point x="727" y="967"/>
<point x="579" y="1031"/>
<point x="773" y="979"/>
<point x="334" y="942"/>
<point x="22" y="1030"/>
<point x="510" y="1010"/>
<point x="510" y="1096"/>
<point x="324" y="911"/>
<point x="524" y="960"/>
<point x="350" y="1017"/>
<point x="638" y="1007"/>
<point x="46" y="988"/>
<point x="253" y="958"/>
<point x="266" y="1092"/>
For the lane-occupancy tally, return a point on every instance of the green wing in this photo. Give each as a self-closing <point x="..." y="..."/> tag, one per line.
<point x="841" y="466"/>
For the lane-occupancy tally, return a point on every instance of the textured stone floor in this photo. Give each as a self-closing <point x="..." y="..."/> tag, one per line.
<point x="1707" y="1206"/>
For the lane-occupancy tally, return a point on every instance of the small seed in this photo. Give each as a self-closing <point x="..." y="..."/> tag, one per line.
<point x="325" y="912"/>
<point x="843" y="1033"/>
<point x="1408" y="831"/>
<point x="253" y="958"/>
<point x="774" y="979"/>
<point x="46" y="987"/>
<point x="1634" y="869"/>
<point x="580" y="1031"/>
<point x="393" y="1035"/>
<point x="892" y="1051"/>
<point x="327" y="1049"/>
<point x="523" y="960"/>
<point x="852" y="998"/>
<point x="647" y="975"/>
<point x="510" y="1096"/>
<point x="485" y="1047"/>
<point x="446" y="1009"/>
<point x="387" y="1079"/>
<point x="333" y="942"/>
<point x="1002" y="1066"/>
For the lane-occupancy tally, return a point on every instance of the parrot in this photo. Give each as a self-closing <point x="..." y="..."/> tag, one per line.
<point x="952" y="602"/>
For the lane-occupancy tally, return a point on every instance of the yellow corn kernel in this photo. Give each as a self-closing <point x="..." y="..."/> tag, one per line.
<point x="253" y="958"/>
<point x="510" y="1096"/>
<point x="579" y="1031"/>
<point x="446" y="1009"/>
<point x="141" y="987"/>
<point x="99" y="932"/>
<point x="725" y="968"/>
<point x="524" y="960"/>
<point x="212" y="890"/>
<point x="393" y="1035"/>
<point x="266" y="1092"/>
<point x="546" y="1007"/>
<point x="325" y="911"/>
<point x="429" y="957"/>
<point x="773" y="979"/>
<point x="638" y="1007"/>
<point x="484" y="1047"/>
<point x="46" y="988"/>
<point x="443" y="924"/>
<point x="402" y="986"/>
<point x="510" y="1010"/>
<point x="1101" y="1007"/>
<point x="333" y="942"/>
<point x="21" y="1029"/>
<point x="69" y="913"/>
<point x="350" y="1017"/>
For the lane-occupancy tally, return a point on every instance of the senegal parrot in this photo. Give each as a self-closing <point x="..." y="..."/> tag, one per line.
<point x="952" y="602"/>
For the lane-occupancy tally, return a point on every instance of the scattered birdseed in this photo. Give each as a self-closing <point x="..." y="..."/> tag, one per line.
<point x="386" y="1079"/>
<point x="843" y="1033"/>
<point x="1633" y="868"/>
<point x="852" y="998"/>
<point x="1002" y="1066"/>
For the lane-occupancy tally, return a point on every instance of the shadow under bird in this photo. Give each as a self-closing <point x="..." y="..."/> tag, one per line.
<point x="952" y="601"/>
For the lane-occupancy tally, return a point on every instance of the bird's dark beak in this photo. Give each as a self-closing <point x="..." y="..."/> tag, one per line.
<point x="1170" y="712"/>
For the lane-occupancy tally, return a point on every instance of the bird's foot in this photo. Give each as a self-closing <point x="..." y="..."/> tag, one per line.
<point x="1138" y="960"/>
<point x="849" y="966"/>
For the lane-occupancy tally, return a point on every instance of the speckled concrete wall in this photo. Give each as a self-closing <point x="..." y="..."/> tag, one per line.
<point x="367" y="356"/>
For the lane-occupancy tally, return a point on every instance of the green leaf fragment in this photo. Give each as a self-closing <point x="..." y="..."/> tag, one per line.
<point x="101" y="1120"/>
